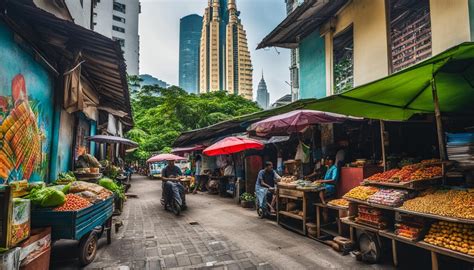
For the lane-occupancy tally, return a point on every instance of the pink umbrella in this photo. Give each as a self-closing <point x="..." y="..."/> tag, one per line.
<point x="294" y="121"/>
<point x="232" y="145"/>
<point x="164" y="157"/>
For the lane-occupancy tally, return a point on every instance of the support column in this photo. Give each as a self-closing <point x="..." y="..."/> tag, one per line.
<point x="439" y="122"/>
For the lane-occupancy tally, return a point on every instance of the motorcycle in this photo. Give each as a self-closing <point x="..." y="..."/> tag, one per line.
<point x="174" y="195"/>
<point x="263" y="200"/>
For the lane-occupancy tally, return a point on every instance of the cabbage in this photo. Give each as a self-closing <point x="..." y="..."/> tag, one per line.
<point x="47" y="197"/>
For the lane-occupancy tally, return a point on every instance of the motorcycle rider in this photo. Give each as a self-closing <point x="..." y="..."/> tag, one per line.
<point x="268" y="178"/>
<point x="171" y="188"/>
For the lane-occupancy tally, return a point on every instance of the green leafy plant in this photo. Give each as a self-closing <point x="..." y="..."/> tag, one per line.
<point x="247" y="197"/>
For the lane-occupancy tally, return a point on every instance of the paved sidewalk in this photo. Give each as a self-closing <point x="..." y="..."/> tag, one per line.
<point x="213" y="233"/>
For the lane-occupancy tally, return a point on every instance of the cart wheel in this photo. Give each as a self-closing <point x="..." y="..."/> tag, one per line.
<point x="370" y="248"/>
<point x="260" y="212"/>
<point x="87" y="249"/>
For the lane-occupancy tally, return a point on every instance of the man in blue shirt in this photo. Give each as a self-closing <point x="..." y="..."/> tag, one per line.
<point x="171" y="170"/>
<point x="329" y="181"/>
<point x="267" y="178"/>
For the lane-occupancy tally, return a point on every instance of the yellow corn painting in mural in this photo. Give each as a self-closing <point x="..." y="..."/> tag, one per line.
<point x="20" y="135"/>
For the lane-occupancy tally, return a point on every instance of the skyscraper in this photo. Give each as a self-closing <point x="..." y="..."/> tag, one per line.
<point x="189" y="42"/>
<point x="263" y="97"/>
<point x="115" y="19"/>
<point x="225" y="62"/>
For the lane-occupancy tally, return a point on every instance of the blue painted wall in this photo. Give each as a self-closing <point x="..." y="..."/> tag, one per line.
<point x="312" y="67"/>
<point x="26" y="89"/>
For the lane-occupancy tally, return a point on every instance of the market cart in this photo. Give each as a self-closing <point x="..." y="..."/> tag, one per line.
<point x="293" y="206"/>
<point x="86" y="225"/>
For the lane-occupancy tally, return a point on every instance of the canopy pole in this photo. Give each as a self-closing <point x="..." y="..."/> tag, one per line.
<point x="382" y="138"/>
<point x="439" y="122"/>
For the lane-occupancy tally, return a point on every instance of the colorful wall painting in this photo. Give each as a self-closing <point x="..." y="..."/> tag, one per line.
<point x="26" y="113"/>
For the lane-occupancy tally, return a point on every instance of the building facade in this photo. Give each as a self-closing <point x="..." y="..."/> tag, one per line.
<point x="115" y="19"/>
<point x="225" y="62"/>
<point x="263" y="97"/>
<point x="189" y="42"/>
<point x="294" y="56"/>
<point x="351" y="43"/>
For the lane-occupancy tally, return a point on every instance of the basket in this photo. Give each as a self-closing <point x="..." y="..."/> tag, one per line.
<point x="247" y="204"/>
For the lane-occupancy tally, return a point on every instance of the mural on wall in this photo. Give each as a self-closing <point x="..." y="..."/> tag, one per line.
<point x="26" y="111"/>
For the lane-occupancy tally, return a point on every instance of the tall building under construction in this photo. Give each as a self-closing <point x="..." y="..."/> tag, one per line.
<point x="225" y="62"/>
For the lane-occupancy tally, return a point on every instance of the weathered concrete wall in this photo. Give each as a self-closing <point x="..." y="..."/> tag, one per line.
<point x="449" y="24"/>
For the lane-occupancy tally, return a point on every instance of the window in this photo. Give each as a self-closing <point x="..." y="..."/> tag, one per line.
<point x="118" y="29"/>
<point x="343" y="54"/>
<point x="119" y="7"/>
<point x="410" y="32"/>
<point x="120" y="40"/>
<point x="118" y="18"/>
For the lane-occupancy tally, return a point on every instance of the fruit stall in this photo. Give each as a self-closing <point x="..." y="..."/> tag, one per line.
<point x="410" y="206"/>
<point x="34" y="215"/>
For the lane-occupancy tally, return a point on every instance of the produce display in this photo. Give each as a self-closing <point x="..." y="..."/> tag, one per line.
<point x="372" y="217"/>
<point x="454" y="236"/>
<point x="383" y="176"/>
<point x="419" y="171"/>
<point x="111" y="185"/>
<point x="65" y="178"/>
<point x="46" y="197"/>
<point x="339" y="202"/>
<point x="444" y="202"/>
<point x="19" y="188"/>
<point x="361" y="192"/>
<point x="73" y="203"/>
<point x="410" y="227"/>
<point x="426" y="173"/>
<point x="288" y="179"/>
<point x="389" y="197"/>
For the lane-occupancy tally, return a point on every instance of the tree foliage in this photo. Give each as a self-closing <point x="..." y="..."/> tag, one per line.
<point x="161" y="114"/>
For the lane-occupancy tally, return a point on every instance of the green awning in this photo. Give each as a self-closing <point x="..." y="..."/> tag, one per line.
<point x="401" y="95"/>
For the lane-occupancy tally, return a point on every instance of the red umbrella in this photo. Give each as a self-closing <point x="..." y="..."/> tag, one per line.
<point x="164" y="157"/>
<point x="232" y="145"/>
<point x="295" y="121"/>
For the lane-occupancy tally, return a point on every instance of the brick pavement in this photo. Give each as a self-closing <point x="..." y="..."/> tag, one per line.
<point x="152" y="238"/>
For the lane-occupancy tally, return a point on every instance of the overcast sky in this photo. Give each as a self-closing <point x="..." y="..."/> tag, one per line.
<point x="159" y="39"/>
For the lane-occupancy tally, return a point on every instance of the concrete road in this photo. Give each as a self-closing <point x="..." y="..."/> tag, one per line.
<point x="213" y="233"/>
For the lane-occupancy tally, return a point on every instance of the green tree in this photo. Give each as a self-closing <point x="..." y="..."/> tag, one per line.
<point x="161" y="114"/>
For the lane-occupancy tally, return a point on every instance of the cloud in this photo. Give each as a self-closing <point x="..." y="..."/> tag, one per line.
<point x="159" y="39"/>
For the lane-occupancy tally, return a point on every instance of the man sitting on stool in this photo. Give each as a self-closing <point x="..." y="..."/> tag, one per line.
<point x="329" y="181"/>
<point x="268" y="178"/>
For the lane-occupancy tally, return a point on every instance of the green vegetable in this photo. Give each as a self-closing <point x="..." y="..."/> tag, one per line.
<point x="112" y="186"/>
<point x="63" y="188"/>
<point x="247" y="197"/>
<point x="47" y="197"/>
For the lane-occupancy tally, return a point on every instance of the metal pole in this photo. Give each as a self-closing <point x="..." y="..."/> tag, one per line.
<point x="439" y="122"/>
<point x="382" y="138"/>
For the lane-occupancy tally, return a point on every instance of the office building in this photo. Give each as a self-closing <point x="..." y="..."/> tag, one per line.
<point x="189" y="42"/>
<point x="263" y="97"/>
<point x="225" y="62"/>
<point x="115" y="19"/>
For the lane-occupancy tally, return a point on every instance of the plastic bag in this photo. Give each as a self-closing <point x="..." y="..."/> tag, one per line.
<point x="79" y="186"/>
<point x="89" y="196"/>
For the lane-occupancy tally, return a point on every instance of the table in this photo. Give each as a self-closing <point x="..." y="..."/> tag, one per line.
<point x="341" y="213"/>
<point x="304" y="196"/>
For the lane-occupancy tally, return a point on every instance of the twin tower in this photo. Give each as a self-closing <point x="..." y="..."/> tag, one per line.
<point x="224" y="57"/>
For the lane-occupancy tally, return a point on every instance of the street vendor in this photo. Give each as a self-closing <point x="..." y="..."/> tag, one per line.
<point x="171" y="170"/>
<point x="267" y="178"/>
<point x="318" y="172"/>
<point x="329" y="181"/>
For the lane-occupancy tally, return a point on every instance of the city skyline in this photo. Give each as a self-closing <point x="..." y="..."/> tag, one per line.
<point x="164" y="62"/>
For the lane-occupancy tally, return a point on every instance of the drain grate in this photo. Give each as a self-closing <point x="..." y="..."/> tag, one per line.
<point x="194" y="223"/>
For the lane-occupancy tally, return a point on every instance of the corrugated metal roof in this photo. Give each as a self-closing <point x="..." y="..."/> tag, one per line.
<point x="104" y="63"/>
<point x="235" y="125"/>
<point x="304" y="20"/>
